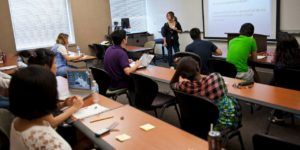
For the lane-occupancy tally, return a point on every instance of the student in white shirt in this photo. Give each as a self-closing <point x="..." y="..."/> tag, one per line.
<point x="33" y="98"/>
<point x="62" y="54"/>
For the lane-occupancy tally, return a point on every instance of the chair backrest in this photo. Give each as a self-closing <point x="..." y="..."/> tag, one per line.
<point x="100" y="51"/>
<point x="223" y="67"/>
<point x="287" y="78"/>
<point x="262" y="142"/>
<point x="197" y="113"/>
<point x="142" y="92"/>
<point x="187" y="54"/>
<point x="102" y="78"/>
<point x="6" y="119"/>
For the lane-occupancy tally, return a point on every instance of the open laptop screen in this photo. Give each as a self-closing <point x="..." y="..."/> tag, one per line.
<point x="79" y="79"/>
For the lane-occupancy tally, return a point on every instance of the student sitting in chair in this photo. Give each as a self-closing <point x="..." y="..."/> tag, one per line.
<point x="62" y="54"/>
<point x="205" y="49"/>
<point x="239" y="50"/>
<point x="116" y="61"/>
<point x="33" y="98"/>
<point x="46" y="58"/>
<point x="187" y="78"/>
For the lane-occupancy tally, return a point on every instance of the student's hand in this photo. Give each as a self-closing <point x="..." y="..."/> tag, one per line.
<point x="77" y="102"/>
<point x="138" y="63"/>
<point x="174" y="28"/>
<point x="165" y="44"/>
<point x="68" y="102"/>
<point x="130" y="60"/>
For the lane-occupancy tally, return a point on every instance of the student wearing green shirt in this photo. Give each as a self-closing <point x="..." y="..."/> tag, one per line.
<point x="239" y="51"/>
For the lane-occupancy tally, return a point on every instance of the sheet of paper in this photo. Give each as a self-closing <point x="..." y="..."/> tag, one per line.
<point x="147" y="127"/>
<point x="261" y="57"/>
<point x="89" y="111"/>
<point x="7" y="67"/>
<point x="123" y="137"/>
<point x="62" y="88"/>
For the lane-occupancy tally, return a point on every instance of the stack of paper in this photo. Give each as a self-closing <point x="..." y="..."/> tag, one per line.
<point x="89" y="111"/>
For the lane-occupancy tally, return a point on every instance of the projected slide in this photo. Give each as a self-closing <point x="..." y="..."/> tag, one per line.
<point x="226" y="16"/>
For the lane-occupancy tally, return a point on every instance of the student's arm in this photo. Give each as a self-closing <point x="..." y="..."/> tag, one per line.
<point x="163" y="33"/>
<point x="178" y="27"/>
<point x="77" y="103"/>
<point x="175" y="78"/>
<point x="218" y="52"/>
<point x="129" y="70"/>
<point x="64" y="52"/>
<point x="215" y="50"/>
<point x="253" y="50"/>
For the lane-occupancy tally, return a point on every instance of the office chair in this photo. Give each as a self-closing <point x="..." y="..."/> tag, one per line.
<point x="6" y="119"/>
<point x="100" y="51"/>
<point x="197" y="113"/>
<point x="103" y="80"/>
<point x="263" y="142"/>
<point x="145" y="96"/>
<point x="287" y="78"/>
<point x="223" y="67"/>
<point x="177" y="56"/>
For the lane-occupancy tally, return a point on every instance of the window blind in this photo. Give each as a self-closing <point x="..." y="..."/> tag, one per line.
<point x="135" y="10"/>
<point x="37" y="23"/>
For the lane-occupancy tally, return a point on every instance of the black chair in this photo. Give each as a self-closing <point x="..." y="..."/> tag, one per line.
<point x="100" y="51"/>
<point x="223" y="67"/>
<point x="187" y="54"/>
<point x="145" y="96"/>
<point x="287" y="78"/>
<point x="197" y="113"/>
<point x="103" y="80"/>
<point x="263" y="142"/>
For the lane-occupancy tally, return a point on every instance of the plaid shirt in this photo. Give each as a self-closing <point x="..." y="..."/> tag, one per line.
<point x="211" y="86"/>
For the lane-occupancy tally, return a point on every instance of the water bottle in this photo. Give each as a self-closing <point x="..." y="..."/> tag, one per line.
<point x="95" y="87"/>
<point x="214" y="139"/>
<point x="78" y="50"/>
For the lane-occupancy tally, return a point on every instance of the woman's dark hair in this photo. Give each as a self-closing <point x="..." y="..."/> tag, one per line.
<point x="247" y="29"/>
<point x="187" y="68"/>
<point x="118" y="36"/>
<point x="195" y="33"/>
<point x="287" y="50"/>
<point x="42" y="57"/>
<point x="172" y="14"/>
<point x="33" y="92"/>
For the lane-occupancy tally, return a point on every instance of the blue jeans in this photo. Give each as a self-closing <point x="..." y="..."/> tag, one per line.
<point x="62" y="71"/>
<point x="170" y="48"/>
<point x="4" y="103"/>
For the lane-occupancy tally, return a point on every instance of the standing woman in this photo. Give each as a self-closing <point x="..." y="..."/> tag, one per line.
<point x="62" y="55"/>
<point x="170" y="32"/>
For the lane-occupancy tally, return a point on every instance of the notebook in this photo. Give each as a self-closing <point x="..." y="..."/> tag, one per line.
<point x="145" y="60"/>
<point x="89" y="111"/>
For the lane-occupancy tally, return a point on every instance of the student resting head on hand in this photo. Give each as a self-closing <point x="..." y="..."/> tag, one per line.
<point x="187" y="78"/>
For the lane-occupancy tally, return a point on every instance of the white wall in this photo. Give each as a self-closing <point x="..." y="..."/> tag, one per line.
<point x="189" y="14"/>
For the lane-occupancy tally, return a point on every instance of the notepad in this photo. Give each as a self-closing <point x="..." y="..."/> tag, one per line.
<point x="89" y="111"/>
<point x="7" y="67"/>
<point x="123" y="137"/>
<point x="147" y="127"/>
<point x="261" y="57"/>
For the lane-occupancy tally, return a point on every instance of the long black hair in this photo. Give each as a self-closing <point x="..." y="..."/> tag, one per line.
<point x="287" y="50"/>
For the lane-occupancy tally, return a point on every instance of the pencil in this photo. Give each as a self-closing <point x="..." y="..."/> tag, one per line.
<point x="96" y="120"/>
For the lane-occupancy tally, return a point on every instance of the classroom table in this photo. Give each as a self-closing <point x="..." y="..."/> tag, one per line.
<point x="163" y="136"/>
<point x="267" y="62"/>
<point x="262" y="94"/>
<point x="11" y="59"/>
<point x="135" y="49"/>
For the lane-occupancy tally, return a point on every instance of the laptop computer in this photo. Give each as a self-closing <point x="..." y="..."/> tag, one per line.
<point x="78" y="83"/>
<point x="145" y="61"/>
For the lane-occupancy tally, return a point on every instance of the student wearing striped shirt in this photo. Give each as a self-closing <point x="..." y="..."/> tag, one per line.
<point x="187" y="78"/>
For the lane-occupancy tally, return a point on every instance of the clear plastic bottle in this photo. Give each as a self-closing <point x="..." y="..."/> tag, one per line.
<point x="95" y="87"/>
<point x="78" y="50"/>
